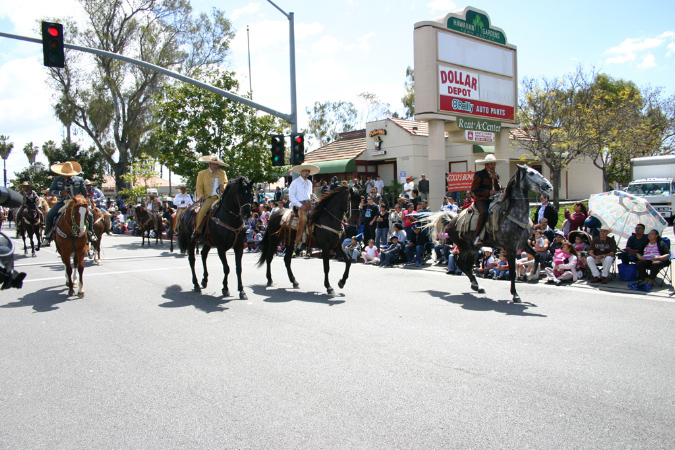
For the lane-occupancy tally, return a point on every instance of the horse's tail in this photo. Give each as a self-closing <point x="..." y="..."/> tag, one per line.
<point x="436" y="222"/>
<point x="271" y="238"/>
<point x="185" y="229"/>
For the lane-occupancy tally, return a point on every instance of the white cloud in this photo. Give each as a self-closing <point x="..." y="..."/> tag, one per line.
<point x="647" y="61"/>
<point x="442" y="5"/>
<point x="363" y="41"/>
<point x="327" y="45"/>
<point x="248" y="9"/>
<point x="671" y="49"/>
<point x="628" y="49"/>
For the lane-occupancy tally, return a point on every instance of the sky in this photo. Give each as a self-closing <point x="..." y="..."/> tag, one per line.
<point x="347" y="47"/>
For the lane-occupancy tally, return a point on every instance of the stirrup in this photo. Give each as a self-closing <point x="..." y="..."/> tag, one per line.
<point x="91" y="236"/>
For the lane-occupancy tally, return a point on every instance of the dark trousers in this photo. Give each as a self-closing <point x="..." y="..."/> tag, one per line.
<point x="49" y="220"/>
<point x="653" y="266"/>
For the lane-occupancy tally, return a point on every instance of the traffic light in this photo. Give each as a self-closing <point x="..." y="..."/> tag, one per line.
<point x="297" y="149"/>
<point x="278" y="149"/>
<point x="52" y="44"/>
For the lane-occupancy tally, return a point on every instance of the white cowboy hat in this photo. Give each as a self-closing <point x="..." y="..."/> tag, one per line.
<point x="88" y="182"/>
<point x="181" y="186"/>
<point x="489" y="159"/>
<point x="213" y="159"/>
<point x="68" y="168"/>
<point x="313" y="169"/>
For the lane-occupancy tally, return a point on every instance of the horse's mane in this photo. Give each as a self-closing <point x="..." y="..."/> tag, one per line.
<point x="325" y="200"/>
<point x="235" y="181"/>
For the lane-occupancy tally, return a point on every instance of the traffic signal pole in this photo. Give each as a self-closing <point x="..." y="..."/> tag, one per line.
<point x="290" y="118"/>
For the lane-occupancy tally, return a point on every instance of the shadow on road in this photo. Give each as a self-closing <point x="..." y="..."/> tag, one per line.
<point x="44" y="300"/>
<point x="178" y="298"/>
<point x="281" y="295"/>
<point x="471" y="302"/>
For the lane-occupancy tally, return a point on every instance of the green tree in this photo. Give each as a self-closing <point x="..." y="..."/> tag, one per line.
<point x="37" y="175"/>
<point x="5" y="150"/>
<point x="31" y="151"/>
<point x="552" y="128"/>
<point x="197" y="122"/>
<point x="138" y="177"/>
<point x="328" y="119"/>
<point x="408" y="99"/>
<point x="112" y="101"/>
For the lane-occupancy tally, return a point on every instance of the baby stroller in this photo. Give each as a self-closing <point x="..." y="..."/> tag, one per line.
<point x="586" y="238"/>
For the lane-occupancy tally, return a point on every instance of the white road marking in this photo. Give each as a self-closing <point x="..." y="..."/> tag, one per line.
<point x="89" y="274"/>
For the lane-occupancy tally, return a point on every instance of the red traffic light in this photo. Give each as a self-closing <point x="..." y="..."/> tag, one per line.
<point x="53" y="31"/>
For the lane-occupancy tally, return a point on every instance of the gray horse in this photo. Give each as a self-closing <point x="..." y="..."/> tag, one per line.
<point x="513" y="227"/>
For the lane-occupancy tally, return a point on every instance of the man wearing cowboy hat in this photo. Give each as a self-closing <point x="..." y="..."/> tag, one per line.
<point x="151" y="202"/>
<point x="95" y="194"/>
<point x="29" y="196"/>
<point x="181" y="201"/>
<point x="601" y="252"/>
<point x="210" y="183"/>
<point x="300" y="194"/>
<point x="485" y="185"/>
<point x="67" y="183"/>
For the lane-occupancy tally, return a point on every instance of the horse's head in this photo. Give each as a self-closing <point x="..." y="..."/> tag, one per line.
<point x="533" y="180"/>
<point x="140" y="211"/>
<point x="354" y="201"/>
<point x="238" y="197"/>
<point x="76" y="214"/>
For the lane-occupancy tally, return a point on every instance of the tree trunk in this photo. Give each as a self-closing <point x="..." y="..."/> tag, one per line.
<point x="555" y="181"/>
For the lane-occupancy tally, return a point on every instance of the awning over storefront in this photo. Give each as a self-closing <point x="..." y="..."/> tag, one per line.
<point x="336" y="166"/>
<point x="483" y="149"/>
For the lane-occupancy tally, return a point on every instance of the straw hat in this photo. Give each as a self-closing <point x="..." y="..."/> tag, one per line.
<point x="44" y="191"/>
<point x="26" y="183"/>
<point x="208" y="159"/>
<point x="89" y="183"/>
<point x="489" y="159"/>
<point x="313" y="169"/>
<point x="181" y="186"/>
<point x="68" y="168"/>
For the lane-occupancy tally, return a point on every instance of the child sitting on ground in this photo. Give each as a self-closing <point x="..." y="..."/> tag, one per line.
<point x="352" y="249"/>
<point x="370" y="254"/>
<point x="488" y="262"/>
<point x="501" y="272"/>
<point x="524" y="266"/>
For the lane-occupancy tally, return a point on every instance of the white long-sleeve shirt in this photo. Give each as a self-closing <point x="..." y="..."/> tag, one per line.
<point x="299" y="191"/>
<point x="182" y="200"/>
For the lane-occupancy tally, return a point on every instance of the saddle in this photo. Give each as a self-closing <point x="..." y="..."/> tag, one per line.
<point x="290" y="221"/>
<point x="467" y="221"/>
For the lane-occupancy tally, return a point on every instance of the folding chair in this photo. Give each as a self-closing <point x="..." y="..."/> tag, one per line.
<point x="667" y="272"/>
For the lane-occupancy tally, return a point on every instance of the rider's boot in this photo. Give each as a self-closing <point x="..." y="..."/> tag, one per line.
<point x="48" y="237"/>
<point x="91" y="236"/>
<point x="198" y="232"/>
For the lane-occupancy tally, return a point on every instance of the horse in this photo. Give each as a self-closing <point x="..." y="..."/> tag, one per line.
<point x="326" y="233"/>
<point x="30" y="223"/>
<point x="225" y="230"/>
<point x="70" y="236"/>
<point x="99" y="227"/>
<point x="149" y="221"/>
<point x="511" y="233"/>
<point x="2" y="216"/>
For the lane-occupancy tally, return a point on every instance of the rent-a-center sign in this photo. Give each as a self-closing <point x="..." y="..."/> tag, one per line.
<point x="473" y="67"/>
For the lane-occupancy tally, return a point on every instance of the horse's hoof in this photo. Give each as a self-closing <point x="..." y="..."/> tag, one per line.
<point x="98" y="263"/>
<point x="243" y="296"/>
<point x="481" y="291"/>
<point x="270" y="284"/>
<point x="516" y="299"/>
<point x="475" y="287"/>
<point x="296" y="285"/>
<point x="197" y="289"/>
<point x="71" y="293"/>
<point x="341" y="284"/>
<point x="204" y="283"/>
<point x="80" y="294"/>
<point x="331" y="291"/>
<point x="226" y="293"/>
<point x="33" y="255"/>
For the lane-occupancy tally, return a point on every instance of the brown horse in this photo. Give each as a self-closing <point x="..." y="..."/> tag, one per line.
<point x="30" y="223"/>
<point x="148" y="221"/>
<point x="2" y="216"/>
<point x="100" y="226"/>
<point x="70" y="236"/>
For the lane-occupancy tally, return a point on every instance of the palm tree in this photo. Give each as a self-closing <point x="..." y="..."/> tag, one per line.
<point x="5" y="150"/>
<point x="31" y="151"/>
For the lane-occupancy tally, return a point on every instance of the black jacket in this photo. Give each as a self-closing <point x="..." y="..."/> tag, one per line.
<point x="550" y="213"/>
<point x="423" y="186"/>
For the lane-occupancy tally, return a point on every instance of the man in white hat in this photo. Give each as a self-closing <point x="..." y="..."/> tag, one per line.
<point x="97" y="198"/>
<point x="67" y="183"/>
<point x="181" y="201"/>
<point x="300" y="194"/>
<point x="485" y="185"/>
<point x="210" y="183"/>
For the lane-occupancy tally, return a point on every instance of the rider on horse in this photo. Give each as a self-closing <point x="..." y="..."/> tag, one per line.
<point x="67" y="183"/>
<point x="29" y="196"/>
<point x="300" y="194"/>
<point x="484" y="187"/>
<point x="181" y="201"/>
<point x="210" y="183"/>
<point x="97" y="199"/>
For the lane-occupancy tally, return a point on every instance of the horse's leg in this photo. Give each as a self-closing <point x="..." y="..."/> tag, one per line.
<point x="25" y="248"/>
<point x="535" y="269"/>
<point x="69" y="275"/>
<point x="466" y="262"/>
<point x="78" y="259"/>
<point x="191" y="260"/>
<point x="340" y="253"/>
<point x="32" y="244"/>
<point x="226" y="269"/>
<point x="205" y="253"/>
<point x="325" y="255"/>
<point x="288" y="256"/>
<point x="511" y="257"/>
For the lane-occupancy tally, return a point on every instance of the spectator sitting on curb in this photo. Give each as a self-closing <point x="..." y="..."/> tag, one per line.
<point x="352" y="249"/>
<point x="370" y="254"/>
<point x="392" y="254"/>
<point x="488" y="262"/>
<point x="524" y="266"/>
<point x="602" y="251"/>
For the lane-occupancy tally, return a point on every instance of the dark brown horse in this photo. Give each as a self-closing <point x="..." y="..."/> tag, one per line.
<point x="70" y="236"/>
<point x="327" y="233"/>
<point x="2" y="217"/>
<point x="149" y="221"/>
<point x="30" y="223"/>
<point x="100" y="226"/>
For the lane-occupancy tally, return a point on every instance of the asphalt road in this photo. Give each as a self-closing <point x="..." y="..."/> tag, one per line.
<point x="399" y="358"/>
